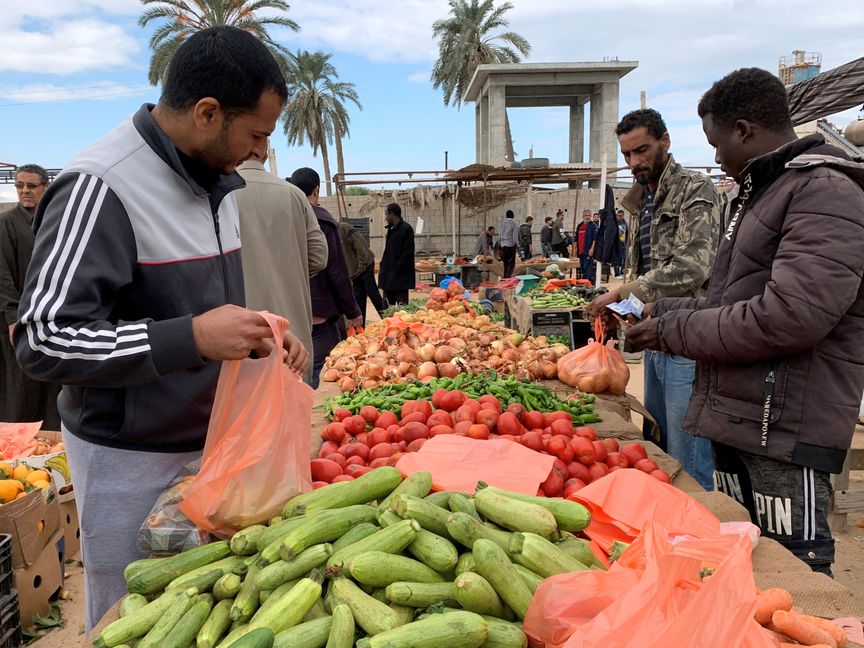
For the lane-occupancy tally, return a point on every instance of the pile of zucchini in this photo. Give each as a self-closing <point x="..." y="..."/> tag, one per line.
<point x="378" y="561"/>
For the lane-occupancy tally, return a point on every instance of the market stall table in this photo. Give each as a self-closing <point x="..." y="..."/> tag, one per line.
<point x="520" y="315"/>
<point x="564" y="265"/>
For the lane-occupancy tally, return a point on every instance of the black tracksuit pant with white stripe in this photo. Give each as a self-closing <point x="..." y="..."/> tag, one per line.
<point x="788" y="503"/>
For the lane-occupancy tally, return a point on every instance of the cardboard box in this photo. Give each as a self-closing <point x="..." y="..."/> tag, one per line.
<point x="32" y="521"/>
<point x="71" y="529"/>
<point x="56" y="463"/>
<point x="40" y="583"/>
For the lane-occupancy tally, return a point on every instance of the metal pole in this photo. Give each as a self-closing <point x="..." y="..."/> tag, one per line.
<point x="599" y="265"/>
<point x="446" y="163"/>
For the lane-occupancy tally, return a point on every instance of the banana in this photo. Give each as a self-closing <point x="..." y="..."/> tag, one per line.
<point x="61" y="465"/>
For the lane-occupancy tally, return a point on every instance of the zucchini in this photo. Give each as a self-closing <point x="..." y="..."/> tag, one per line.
<point x="204" y="582"/>
<point x="356" y="533"/>
<point x="380" y="569"/>
<point x="216" y="625"/>
<point x="392" y="539"/>
<point x="272" y="576"/>
<point x="541" y="556"/>
<point x="420" y="595"/>
<point x="130" y="603"/>
<point x="463" y="629"/>
<point x="374" y="485"/>
<point x="429" y="548"/>
<point x="231" y="564"/>
<point x="258" y="638"/>
<point x="264" y="595"/>
<point x="442" y="498"/>
<point x="325" y="528"/>
<point x="494" y="565"/>
<point x="475" y="594"/>
<point x="157" y="577"/>
<point x="275" y="532"/>
<point x="317" y="611"/>
<point x="371" y="615"/>
<point x="569" y="516"/>
<point x="515" y="514"/>
<point x="289" y="609"/>
<point x="418" y="484"/>
<point x="158" y="633"/>
<point x="342" y="629"/>
<point x="296" y="506"/>
<point x="502" y="634"/>
<point x="404" y="612"/>
<point x="466" y="563"/>
<point x="227" y="587"/>
<point x="245" y="542"/>
<point x="312" y="634"/>
<point x="580" y="550"/>
<point x="184" y="632"/>
<point x="138" y="623"/>
<point x="430" y="517"/>
<point x="458" y="503"/>
<point x="466" y="531"/>
<point x="531" y="579"/>
<point x="137" y="566"/>
<point x="246" y="601"/>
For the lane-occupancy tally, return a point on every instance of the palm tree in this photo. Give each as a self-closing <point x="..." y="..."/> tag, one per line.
<point x="316" y="108"/>
<point x="466" y="40"/>
<point x="185" y="17"/>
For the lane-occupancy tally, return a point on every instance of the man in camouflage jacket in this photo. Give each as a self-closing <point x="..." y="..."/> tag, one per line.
<point x="677" y="219"/>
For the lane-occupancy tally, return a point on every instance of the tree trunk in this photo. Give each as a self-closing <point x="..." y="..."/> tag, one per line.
<point x="508" y="138"/>
<point x="340" y="161"/>
<point x="327" y="182"/>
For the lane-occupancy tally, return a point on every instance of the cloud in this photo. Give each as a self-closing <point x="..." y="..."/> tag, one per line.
<point x="420" y="76"/>
<point x="49" y="93"/>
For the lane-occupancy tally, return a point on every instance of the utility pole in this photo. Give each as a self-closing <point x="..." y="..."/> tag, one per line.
<point x="642" y="100"/>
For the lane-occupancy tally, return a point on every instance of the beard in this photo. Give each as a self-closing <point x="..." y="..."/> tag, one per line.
<point x="651" y="175"/>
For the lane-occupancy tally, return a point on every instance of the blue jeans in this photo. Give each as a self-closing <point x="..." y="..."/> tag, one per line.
<point x="587" y="267"/>
<point x="668" y="387"/>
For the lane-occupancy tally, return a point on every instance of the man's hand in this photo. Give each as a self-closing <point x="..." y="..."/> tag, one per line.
<point x="356" y="322"/>
<point x="296" y="355"/>
<point x="591" y="250"/>
<point x="231" y="333"/>
<point x="11" y="331"/>
<point x="597" y="307"/>
<point x="645" y="335"/>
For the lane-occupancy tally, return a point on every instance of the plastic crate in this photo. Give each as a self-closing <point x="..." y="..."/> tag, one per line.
<point x="5" y="584"/>
<point x="5" y="554"/>
<point x="10" y="623"/>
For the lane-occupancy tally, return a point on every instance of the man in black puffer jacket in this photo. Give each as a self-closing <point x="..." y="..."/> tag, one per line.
<point x="778" y="337"/>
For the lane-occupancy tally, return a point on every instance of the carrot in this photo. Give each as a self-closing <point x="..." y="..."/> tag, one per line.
<point x="769" y="601"/>
<point x="831" y="628"/>
<point x="792" y="625"/>
<point x="797" y="645"/>
<point x="776" y="636"/>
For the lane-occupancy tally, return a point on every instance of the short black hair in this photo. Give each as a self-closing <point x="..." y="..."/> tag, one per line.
<point x="645" y="117"/>
<point x="33" y="168"/>
<point x="529" y="218"/>
<point x="394" y="209"/>
<point x="548" y="218"/>
<point x="305" y="179"/>
<point x="510" y="214"/>
<point x="752" y="94"/>
<point x="226" y="63"/>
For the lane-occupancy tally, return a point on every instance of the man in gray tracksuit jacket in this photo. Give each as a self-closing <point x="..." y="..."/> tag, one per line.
<point x="135" y="291"/>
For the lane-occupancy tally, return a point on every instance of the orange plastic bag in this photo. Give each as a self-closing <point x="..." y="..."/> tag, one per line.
<point x="653" y="597"/>
<point x="256" y="456"/>
<point x="596" y="367"/>
<point x="16" y="439"/>
<point x="458" y="463"/>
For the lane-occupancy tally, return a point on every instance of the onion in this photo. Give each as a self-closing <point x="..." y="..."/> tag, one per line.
<point x="498" y="347"/>
<point x="541" y="342"/>
<point x="369" y="384"/>
<point x="458" y="344"/>
<point x="443" y="354"/>
<point x="447" y="370"/>
<point x="515" y="339"/>
<point x="345" y="365"/>
<point x="331" y="375"/>
<point x="427" y="370"/>
<point x="511" y="355"/>
<point x="405" y="368"/>
<point x="347" y="384"/>
<point x="560" y="350"/>
<point x="406" y="354"/>
<point x="426" y="352"/>
<point x="485" y="339"/>
<point x="548" y="369"/>
<point x="391" y="372"/>
<point x="373" y="348"/>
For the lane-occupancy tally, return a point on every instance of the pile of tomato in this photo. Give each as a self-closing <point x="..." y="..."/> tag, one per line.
<point x="354" y="444"/>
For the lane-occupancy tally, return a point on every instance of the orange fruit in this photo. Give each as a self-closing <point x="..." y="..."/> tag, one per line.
<point x="38" y="475"/>
<point x="40" y="483"/>
<point x="6" y="469"/>
<point x="21" y="471"/>
<point x="20" y="495"/>
<point x="9" y="489"/>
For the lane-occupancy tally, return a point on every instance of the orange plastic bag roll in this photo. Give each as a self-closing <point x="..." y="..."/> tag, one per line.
<point x="256" y="456"/>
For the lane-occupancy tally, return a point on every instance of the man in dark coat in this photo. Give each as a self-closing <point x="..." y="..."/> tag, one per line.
<point x="22" y="399"/>
<point x="396" y="276"/>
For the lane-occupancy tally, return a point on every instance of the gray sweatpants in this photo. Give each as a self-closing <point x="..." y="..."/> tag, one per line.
<point x="114" y="493"/>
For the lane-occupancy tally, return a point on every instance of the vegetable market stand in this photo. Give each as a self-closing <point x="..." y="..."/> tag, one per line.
<point x="497" y="267"/>
<point x="519" y="314"/>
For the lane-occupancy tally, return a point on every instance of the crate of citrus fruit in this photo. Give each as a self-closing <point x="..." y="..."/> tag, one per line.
<point x="19" y="480"/>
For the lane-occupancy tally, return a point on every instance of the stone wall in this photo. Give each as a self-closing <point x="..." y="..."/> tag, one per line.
<point x="437" y="235"/>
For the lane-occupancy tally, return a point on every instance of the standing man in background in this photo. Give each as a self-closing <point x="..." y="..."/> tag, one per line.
<point x="678" y="212"/>
<point x="361" y="268"/>
<point x="281" y="238"/>
<point x="526" y="238"/>
<point x="621" y="247"/>
<point x="508" y="241"/>
<point x="396" y="276"/>
<point x="331" y="290"/>
<point x="546" y="236"/>
<point x="485" y="245"/>
<point x="22" y="399"/>
<point x="559" y="237"/>
<point x="586" y="234"/>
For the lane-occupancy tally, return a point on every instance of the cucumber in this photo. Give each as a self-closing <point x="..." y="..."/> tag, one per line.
<point x="442" y="498"/>
<point x="463" y="629"/>
<point x="541" y="556"/>
<point x="392" y="539"/>
<point x="429" y="548"/>
<point x="475" y="594"/>
<point x="229" y="565"/>
<point x="324" y="528"/>
<point x="138" y="566"/>
<point x="155" y="638"/>
<point x="245" y="542"/>
<point x="157" y="577"/>
<point x="246" y="601"/>
<point x="216" y="625"/>
<point x="356" y="533"/>
<point x="380" y="569"/>
<point x="272" y="576"/>
<point x="130" y="603"/>
<point x="374" y="485"/>
<point x="418" y="484"/>
<point x="494" y="565"/>
<point x="258" y="638"/>
<point x="569" y="516"/>
<point x="515" y="514"/>
<point x="460" y="504"/>
<point x="276" y="532"/>
<point x="465" y="530"/>
<point x="313" y="634"/>
<point x="466" y="563"/>
<point x="371" y="615"/>
<point x="138" y="623"/>
<point x="420" y="595"/>
<point x="228" y="586"/>
<point x="531" y="579"/>
<point x="342" y="629"/>
<point x="289" y="609"/>
<point x="184" y="632"/>
<point x="430" y="517"/>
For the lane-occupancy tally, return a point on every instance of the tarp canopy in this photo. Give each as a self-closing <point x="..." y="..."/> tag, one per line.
<point x="827" y="93"/>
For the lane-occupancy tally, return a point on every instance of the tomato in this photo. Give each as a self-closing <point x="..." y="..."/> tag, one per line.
<point x="534" y="420"/>
<point x="386" y="419"/>
<point x="337" y="457"/>
<point x="561" y="468"/>
<point x="614" y="468"/>
<point x="554" y="484"/>
<point x="508" y="423"/>
<point x="379" y="462"/>
<point x="617" y="459"/>
<point x="634" y="452"/>
<point x="328" y="447"/>
<point x="517" y="410"/>
<point x="437" y="395"/>
<point x="408" y="407"/>
<point x="583" y="450"/>
<point x="362" y="438"/>
<point x="414" y="417"/>
<point x="369" y="413"/>
<point x="562" y="427"/>
<point x="559" y="445"/>
<point x="557" y="416"/>
<point x="355" y="450"/>
<point x="611" y="444"/>
<point x="342" y="478"/>
<point x="355" y="460"/>
<point x="573" y="486"/>
<point x="464" y="413"/>
<point x="439" y="417"/>
<point x="380" y="450"/>
<point x="532" y="440"/>
<point x="440" y="429"/>
<point x="318" y="484"/>
<point x="356" y="471"/>
<point x="598" y="471"/>
<point x="334" y="432"/>
<point x="424" y="407"/>
<point x="586" y="432"/>
<point x="355" y="425"/>
<point x="462" y="428"/>
<point x="478" y="431"/>
<point x="647" y="466"/>
<point x="662" y="475"/>
<point x="487" y="400"/>
<point x="451" y="401"/>
<point x="415" y="445"/>
<point x="341" y="414"/>
<point x="414" y="431"/>
<point x="472" y="404"/>
<point x="376" y="436"/>
<point x="600" y="451"/>
<point x="394" y="458"/>
<point x="577" y="470"/>
<point x="487" y="417"/>
<point x="324" y="470"/>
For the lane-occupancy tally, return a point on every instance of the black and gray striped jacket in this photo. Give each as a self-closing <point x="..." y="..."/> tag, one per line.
<point x="129" y="247"/>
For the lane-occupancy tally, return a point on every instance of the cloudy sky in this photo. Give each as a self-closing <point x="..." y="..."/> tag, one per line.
<point x="72" y="69"/>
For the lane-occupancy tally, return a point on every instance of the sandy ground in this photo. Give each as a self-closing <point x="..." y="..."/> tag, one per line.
<point x="847" y="568"/>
